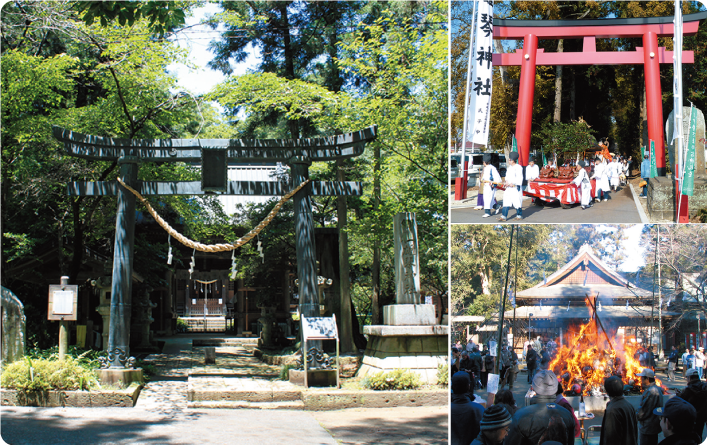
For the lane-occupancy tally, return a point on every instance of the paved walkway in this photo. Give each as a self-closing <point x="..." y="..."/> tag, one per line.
<point x="161" y="415"/>
<point x="622" y="208"/>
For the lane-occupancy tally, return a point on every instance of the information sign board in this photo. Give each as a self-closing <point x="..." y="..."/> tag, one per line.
<point x="63" y="302"/>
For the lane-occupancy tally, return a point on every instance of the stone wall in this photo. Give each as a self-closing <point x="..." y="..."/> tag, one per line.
<point x="13" y="327"/>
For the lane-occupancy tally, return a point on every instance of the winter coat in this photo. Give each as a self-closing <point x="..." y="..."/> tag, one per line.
<point x="505" y="358"/>
<point x="652" y="398"/>
<point x="682" y="439"/>
<point x="560" y="400"/>
<point x="674" y="355"/>
<point x="619" y="425"/>
<point x="531" y="359"/>
<point x="488" y="363"/>
<point x="475" y="365"/>
<point x="696" y="395"/>
<point x="545" y="359"/>
<point x="466" y="419"/>
<point x="529" y="423"/>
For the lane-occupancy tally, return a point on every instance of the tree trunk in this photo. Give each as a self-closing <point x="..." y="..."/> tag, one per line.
<point x="572" y="97"/>
<point x="3" y="209"/>
<point x="344" y="278"/>
<point x="644" y="122"/>
<point x="289" y="58"/>
<point x="498" y="47"/>
<point x="558" y="85"/>
<point x="375" y="267"/>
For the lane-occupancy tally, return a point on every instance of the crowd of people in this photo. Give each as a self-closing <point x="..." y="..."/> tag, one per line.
<point x="610" y="174"/>
<point x="550" y="419"/>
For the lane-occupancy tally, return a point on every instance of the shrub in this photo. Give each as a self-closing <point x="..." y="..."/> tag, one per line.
<point x="88" y="358"/>
<point x="285" y="371"/>
<point x="44" y="374"/>
<point x="443" y="374"/>
<point x="398" y="379"/>
<point x="182" y="325"/>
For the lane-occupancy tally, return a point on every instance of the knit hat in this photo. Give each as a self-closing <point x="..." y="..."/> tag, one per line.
<point x="545" y="383"/>
<point x="513" y="156"/>
<point x="690" y="372"/>
<point x="495" y="417"/>
<point x="461" y="382"/>
<point x="647" y="372"/>
<point x="680" y="413"/>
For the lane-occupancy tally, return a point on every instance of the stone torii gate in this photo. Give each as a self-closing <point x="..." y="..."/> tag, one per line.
<point x="214" y="156"/>
<point x="650" y="55"/>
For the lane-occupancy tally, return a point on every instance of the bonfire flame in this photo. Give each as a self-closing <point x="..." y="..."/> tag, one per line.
<point x="590" y="356"/>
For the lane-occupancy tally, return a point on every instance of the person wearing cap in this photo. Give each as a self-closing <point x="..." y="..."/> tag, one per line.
<point x="585" y="187"/>
<point x="529" y="423"/>
<point x="652" y="398"/>
<point x="696" y="395"/>
<point x="676" y="420"/>
<point x="465" y="415"/>
<point x="489" y="176"/>
<point x="619" y="424"/>
<point x="493" y="428"/>
<point x="645" y="173"/>
<point x="513" y="195"/>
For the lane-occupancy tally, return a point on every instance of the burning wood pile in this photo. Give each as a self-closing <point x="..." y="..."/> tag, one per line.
<point x="592" y="354"/>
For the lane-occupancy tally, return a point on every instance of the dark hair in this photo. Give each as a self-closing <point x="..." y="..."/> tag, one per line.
<point x="560" y="390"/>
<point x="454" y="349"/>
<point x="461" y="385"/>
<point x="504" y="396"/>
<point x="556" y="430"/>
<point x="614" y="386"/>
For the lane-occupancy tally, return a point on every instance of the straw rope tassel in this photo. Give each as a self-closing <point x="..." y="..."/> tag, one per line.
<point x="214" y="247"/>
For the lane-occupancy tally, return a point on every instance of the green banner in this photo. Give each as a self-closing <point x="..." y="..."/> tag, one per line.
<point x="515" y="144"/>
<point x="544" y="159"/>
<point x="688" y="181"/>
<point x="654" y="167"/>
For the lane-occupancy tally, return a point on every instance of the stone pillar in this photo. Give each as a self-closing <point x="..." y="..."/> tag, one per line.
<point x="143" y="319"/>
<point x="119" y="333"/>
<point x="104" y="285"/>
<point x="407" y="310"/>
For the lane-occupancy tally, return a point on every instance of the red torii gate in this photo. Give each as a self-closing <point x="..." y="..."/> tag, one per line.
<point x="650" y="55"/>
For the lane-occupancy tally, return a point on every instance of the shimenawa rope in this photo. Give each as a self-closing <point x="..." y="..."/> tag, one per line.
<point x="214" y="247"/>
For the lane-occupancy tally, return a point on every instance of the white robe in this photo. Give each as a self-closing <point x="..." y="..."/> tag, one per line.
<point x="513" y="196"/>
<point x="490" y="174"/>
<point x="532" y="172"/>
<point x="614" y="169"/>
<point x="585" y="187"/>
<point x="602" y="177"/>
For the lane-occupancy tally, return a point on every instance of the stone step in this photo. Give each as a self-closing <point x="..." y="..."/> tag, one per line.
<point x="246" y="395"/>
<point x="242" y="404"/>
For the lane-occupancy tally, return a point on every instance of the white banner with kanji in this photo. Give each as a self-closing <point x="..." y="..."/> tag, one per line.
<point x="482" y="75"/>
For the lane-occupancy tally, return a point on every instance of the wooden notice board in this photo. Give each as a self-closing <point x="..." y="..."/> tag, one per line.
<point x="63" y="302"/>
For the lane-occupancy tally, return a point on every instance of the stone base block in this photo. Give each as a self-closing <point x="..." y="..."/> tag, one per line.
<point x="409" y="315"/>
<point x="315" y="377"/>
<point x="661" y="198"/>
<point x="125" y="376"/>
<point x="54" y="398"/>
<point x="417" y="348"/>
